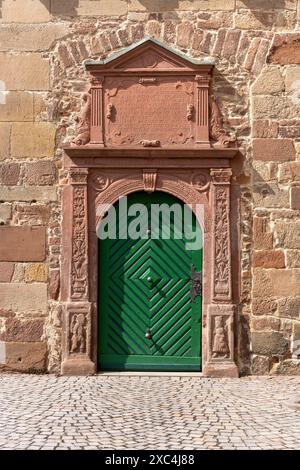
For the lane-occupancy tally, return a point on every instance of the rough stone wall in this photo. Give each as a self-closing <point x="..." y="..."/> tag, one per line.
<point x="257" y="83"/>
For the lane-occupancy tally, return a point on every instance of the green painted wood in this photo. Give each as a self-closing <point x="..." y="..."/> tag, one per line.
<point x="129" y="304"/>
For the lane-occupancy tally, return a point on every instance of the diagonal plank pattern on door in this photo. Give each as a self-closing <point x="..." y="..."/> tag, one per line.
<point x="145" y="287"/>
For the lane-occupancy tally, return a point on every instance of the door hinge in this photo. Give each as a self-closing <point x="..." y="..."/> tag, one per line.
<point x="196" y="287"/>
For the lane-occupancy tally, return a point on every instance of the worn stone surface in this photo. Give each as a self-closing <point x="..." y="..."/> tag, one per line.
<point x="268" y="259"/>
<point x="25" y="11"/>
<point x="24" y="71"/>
<point x="200" y="414"/>
<point x="18" y="106"/>
<point x="295" y="197"/>
<point x="36" y="272"/>
<point x="24" y="298"/>
<point x="22" y="331"/>
<point x="288" y="234"/>
<point x="5" y="212"/>
<point x="5" y="129"/>
<point x="273" y="149"/>
<point x="269" y="343"/>
<point x="23" y="356"/>
<point x="270" y="195"/>
<point x="270" y="81"/>
<point x="276" y="282"/>
<point x="289" y="307"/>
<point x="39" y="144"/>
<point x="28" y="37"/>
<point x="6" y="271"/>
<point x="20" y="193"/>
<point x="22" y="243"/>
<point x="42" y="173"/>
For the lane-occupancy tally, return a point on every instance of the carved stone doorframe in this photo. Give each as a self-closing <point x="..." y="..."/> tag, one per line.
<point x="93" y="182"/>
<point x="149" y="123"/>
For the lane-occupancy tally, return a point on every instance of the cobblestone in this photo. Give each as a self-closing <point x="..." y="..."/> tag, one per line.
<point x="131" y="412"/>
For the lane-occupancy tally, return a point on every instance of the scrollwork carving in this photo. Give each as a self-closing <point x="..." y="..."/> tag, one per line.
<point x="83" y="121"/>
<point x="150" y="143"/>
<point x="217" y="131"/>
<point x="200" y="181"/>
<point x="190" y="112"/>
<point x="100" y="182"/>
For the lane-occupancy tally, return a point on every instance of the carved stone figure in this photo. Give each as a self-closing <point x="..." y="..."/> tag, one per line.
<point x="83" y="122"/>
<point x="220" y="347"/>
<point x="217" y="131"/>
<point x="78" y="333"/>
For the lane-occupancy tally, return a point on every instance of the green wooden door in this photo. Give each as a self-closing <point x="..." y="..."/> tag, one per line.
<point x="145" y="289"/>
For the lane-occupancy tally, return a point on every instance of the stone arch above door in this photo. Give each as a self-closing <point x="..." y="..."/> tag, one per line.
<point x="196" y="171"/>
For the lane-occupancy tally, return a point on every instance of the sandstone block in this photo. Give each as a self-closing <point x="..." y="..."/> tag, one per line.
<point x="22" y="331"/>
<point x="25" y="11"/>
<point x="17" y="106"/>
<point x="276" y="282"/>
<point x="25" y="37"/>
<point x="34" y="194"/>
<point x="32" y="139"/>
<point x="24" y="298"/>
<point x="269" y="343"/>
<point x="170" y="5"/>
<point x="266" y="5"/>
<point x="260" y="365"/>
<point x="295" y="197"/>
<point x="289" y="307"/>
<point x="288" y="234"/>
<point x="263" y="307"/>
<point x="263" y="240"/>
<point x="28" y="357"/>
<point x="264" y="128"/>
<point x="262" y="19"/>
<point x="288" y="367"/>
<point x="289" y="172"/>
<point x="5" y="213"/>
<point x="184" y="34"/>
<point x="215" y="20"/>
<point x="41" y="173"/>
<point x="286" y="54"/>
<point x="270" y="195"/>
<point x="293" y="258"/>
<point x="54" y="286"/>
<point x="24" y="71"/>
<point x="273" y="149"/>
<point x="292" y="79"/>
<point x="5" y="128"/>
<point x="275" y="107"/>
<point x="9" y="174"/>
<point x="31" y="214"/>
<point x="6" y="271"/>
<point x="263" y="172"/>
<point x="22" y="243"/>
<point x="36" y="272"/>
<point x="269" y="82"/>
<point x="268" y="259"/>
<point x="267" y="323"/>
<point x="88" y="8"/>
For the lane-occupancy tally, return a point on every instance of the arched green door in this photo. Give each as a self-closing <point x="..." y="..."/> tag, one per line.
<point x="150" y="317"/>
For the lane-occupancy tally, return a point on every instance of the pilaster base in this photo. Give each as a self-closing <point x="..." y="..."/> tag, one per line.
<point x="220" y="370"/>
<point x="78" y="366"/>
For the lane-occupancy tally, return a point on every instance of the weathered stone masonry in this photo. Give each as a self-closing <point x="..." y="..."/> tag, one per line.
<point x="257" y="84"/>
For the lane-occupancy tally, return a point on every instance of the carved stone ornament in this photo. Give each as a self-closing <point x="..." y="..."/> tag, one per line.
<point x="78" y="327"/>
<point x="99" y="182"/>
<point x="83" y="121"/>
<point x="200" y="181"/>
<point x="217" y="131"/>
<point x="149" y="179"/>
<point x="150" y="143"/>
<point x="220" y="347"/>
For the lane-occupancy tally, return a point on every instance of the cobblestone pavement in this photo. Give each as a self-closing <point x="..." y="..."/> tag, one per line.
<point x="131" y="412"/>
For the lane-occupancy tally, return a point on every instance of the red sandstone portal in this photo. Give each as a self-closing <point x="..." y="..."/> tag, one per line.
<point x="148" y="123"/>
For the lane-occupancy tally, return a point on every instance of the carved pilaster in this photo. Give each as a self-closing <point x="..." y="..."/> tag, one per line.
<point x="97" y="110"/>
<point x="79" y="264"/>
<point x="222" y="289"/>
<point x="202" y="110"/>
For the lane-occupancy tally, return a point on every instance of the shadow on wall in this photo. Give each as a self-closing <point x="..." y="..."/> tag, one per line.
<point x="258" y="8"/>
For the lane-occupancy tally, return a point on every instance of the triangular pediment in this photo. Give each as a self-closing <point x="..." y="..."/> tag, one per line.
<point x="148" y="54"/>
